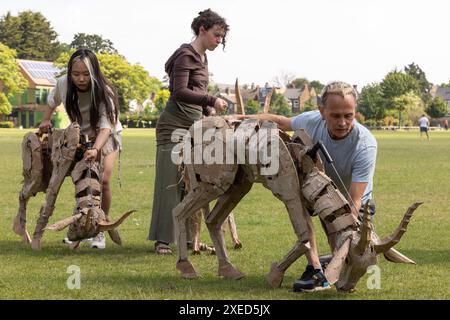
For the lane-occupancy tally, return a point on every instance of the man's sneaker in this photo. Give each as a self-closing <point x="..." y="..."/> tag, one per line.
<point x="308" y="273"/>
<point x="311" y="281"/>
<point x="98" y="242"/>
<point x="325" y="261"/>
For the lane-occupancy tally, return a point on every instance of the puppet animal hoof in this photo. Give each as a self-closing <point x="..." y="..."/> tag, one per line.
<point x="230" y="272"/>
<point x="187" y="269"/>
<point x="36" y="244"/>
<point x="238" y="245"/>
<point x="21" y="230"/>
<point x="275" y="276"/>
<point x="17" y="227"/>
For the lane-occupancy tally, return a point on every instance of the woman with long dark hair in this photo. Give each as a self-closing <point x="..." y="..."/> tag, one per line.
<point x="189" y="100"/>
<point x="91" y="100"/>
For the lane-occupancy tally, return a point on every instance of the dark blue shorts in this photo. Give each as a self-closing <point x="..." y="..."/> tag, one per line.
<point x="423" y="129"/>
<point x="372" y="210"/>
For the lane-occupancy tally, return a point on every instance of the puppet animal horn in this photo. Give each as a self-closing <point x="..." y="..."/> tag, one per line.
<point x="105" y="225"/>
<point x="365" y="232"/>
<point x="390" y="241"/>
<point x="62" y="224"/>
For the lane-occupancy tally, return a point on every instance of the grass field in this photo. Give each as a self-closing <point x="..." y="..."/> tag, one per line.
<point x="408" y="170"/>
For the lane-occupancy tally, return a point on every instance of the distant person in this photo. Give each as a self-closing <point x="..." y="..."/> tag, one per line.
<point x="189" y="101"/>
<point x="424" y="124"/>
<point x="446" y="124"/>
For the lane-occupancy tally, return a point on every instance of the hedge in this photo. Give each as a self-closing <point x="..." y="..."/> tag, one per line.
<point x="6" y="124"/>
<point x="134" y="121"/>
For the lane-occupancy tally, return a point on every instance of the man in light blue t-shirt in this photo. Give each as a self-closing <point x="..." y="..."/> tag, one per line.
<point x="351" y="146"/>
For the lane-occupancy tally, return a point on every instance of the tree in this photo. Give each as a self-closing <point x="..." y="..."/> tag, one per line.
<point x="397" y="83"/>
<point x="410" y="107"/>
<point x="299" y="83"/>
<point x="93" y="42"/>
<point x="317" y="85"/>
<point x="445" y="85"/>
<point x="309" y="106"/>
<point x="213" y="89"/>
<point x="130" y="81"/>
<point x="31" y="35"/>
<point x="161" y="98"/>
<point x="252" y="107"/>
<point x="279" y="105"/>
<point x="437" y="108"/>
<point x="283" y="79"/>
<point x="11" y="80"/>
<point x="424" y="86"/>
<point x="371" y="102"/>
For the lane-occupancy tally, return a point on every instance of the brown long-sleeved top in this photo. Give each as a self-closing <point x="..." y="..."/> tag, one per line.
<point x="189" y="97"/>
<point x="189" y="77"/>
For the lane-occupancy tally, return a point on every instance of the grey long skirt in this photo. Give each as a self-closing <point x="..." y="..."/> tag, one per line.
<point x="168" y="192"/>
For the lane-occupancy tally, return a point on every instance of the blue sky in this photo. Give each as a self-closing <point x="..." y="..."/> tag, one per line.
<point x="350" y="40"/>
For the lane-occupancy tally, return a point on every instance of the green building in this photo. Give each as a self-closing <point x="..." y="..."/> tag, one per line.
<point x="29" y="106"/>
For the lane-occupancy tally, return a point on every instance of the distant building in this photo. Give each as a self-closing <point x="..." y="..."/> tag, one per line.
<point x="29" y="105"/>
<point x="298" y="97"/>
<point x="252" y="92"/>
<point x="444" y="93"/>
<point x="230" y="98"/>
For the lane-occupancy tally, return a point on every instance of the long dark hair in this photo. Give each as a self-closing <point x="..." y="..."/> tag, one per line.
<point x="101" y="91"/>
<point x="207" y="19"/>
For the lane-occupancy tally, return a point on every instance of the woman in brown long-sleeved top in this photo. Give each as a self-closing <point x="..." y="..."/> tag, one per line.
<point x="189" y="99"/>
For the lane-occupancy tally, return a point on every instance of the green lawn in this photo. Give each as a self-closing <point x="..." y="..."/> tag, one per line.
<point x="408" y="170"/>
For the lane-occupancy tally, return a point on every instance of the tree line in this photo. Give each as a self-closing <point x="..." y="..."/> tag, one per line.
<point x="29" y="35"/>
<point x="399" y="99"/>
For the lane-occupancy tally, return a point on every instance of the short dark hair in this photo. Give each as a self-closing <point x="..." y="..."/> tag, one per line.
<point x="207" y="19"/>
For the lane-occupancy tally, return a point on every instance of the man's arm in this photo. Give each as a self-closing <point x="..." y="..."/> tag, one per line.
<point x="284" y="123"/>
<point x="356" y="193"/>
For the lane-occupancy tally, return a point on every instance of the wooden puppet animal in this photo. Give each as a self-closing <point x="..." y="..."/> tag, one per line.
<point x="47" y="160"/>
<point x="88" y="218"/>
<point x="194" y="223"/>
<point x="299" y="183"/>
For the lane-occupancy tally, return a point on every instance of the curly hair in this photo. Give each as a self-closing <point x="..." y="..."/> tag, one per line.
<point x="207" y="19"/>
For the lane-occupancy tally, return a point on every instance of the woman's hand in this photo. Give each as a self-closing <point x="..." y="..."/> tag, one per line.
<point x="220" y="105"/>
<point x="90" y="155"/>
<point x="45" y="125"/>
